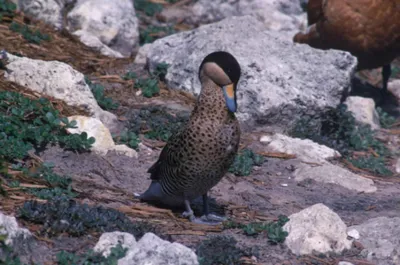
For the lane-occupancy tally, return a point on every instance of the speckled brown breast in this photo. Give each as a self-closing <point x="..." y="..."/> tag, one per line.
<point x="195" y="160"/>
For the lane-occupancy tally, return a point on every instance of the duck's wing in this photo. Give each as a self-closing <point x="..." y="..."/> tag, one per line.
<point x="169" y="157"/>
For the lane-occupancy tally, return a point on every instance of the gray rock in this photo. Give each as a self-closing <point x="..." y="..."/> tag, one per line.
<point x="58" y="80"/>
<point x="141" y="56"/>
<point x="328" y="173"/>
<point x="109" y="26"/>
<point x="381" y="237"/>
<point x="10" y="228"/>
<point x="363" y="110"/>
<point x="394" y="88"/>
<point x="109" y="240"/>
<point x="316" y="228"/>
<point x="279" y="15"/>
<point x="149" y="250"/>
<point x="345" y="263"/>
<point x="304" y="149"/>
<point x="280" y="82"/>
<point x="49" y="11"/>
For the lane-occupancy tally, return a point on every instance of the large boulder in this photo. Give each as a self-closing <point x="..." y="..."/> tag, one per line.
<point x="58" y="80"/>
<point x="381" y="237"/>
<point x="280" y="15"/>
<point x="109" y="26"/>
<point x="49" y="11"/>
<point x="280" y="82"/>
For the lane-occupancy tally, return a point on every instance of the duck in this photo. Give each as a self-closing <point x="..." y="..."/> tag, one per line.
<point x="197" y="157"/>
<point x="368" y="29"/>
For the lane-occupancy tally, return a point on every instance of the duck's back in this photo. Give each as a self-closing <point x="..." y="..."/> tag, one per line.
<point x="370" y="29"/>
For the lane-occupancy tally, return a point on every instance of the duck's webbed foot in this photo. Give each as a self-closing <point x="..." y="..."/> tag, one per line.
<point x="208" y="218"/>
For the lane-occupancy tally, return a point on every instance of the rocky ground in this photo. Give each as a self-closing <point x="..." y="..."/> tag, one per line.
<point x="334" y="177"/>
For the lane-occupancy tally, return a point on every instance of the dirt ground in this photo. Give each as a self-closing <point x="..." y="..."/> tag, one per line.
<point x="112" y="180"/>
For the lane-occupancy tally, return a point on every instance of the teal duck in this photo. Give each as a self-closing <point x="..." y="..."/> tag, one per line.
<point x="197" y="157"/>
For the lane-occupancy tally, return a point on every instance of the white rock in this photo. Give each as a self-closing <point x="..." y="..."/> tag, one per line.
<point x="345" y="263"/>
<point x="125" y="150"/>
<point x="110" y="26"/>
<point x="109" y="240"/>
<point x="280" y="15"/>
<point x="58" y="80"/>
<point x="104" y="141"/>
<point x="381" y="237"/>
<point x="363" y="110"/>
<point x="306" y="150"/>
<point x="152" y="250"/>
<point x="316" y="228"/>
<point x="280" y="82"/>
<point x="353" y="233"/>
<point x="398" y="165"/>
<point x="49" y="11"/>
<point x="141" y="56"/>
<point x="394" y="88"/>
<point x="9" y="227"/>
<point x="328" y="173"/>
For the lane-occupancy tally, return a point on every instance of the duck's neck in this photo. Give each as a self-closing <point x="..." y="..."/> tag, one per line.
<point x="211" y="101"/>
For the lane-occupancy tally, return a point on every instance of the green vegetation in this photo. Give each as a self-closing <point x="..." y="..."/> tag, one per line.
<point x="151" y="33"/>
<point x="244" y="162"/>
<point x="91" y="257"/>
<point x="147" y="7"/>
<point x="149" y="86"/>
<point x="220" y="250"/>
<point x="274" y="229"/>
<point x="338" y="129"/>
<point x="26" y="124"/>
<point x="7" y="9"/>
<point x="131" y="139"/>
<point x="63" y="215"/>
<point x="385" y="119"/>
<point x="35" y="37"/>
<point x="156" y="123"/>
<point x="98" y="93"/>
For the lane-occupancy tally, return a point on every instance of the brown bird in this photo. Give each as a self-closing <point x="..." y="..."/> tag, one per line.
<point x="368" y="29"/>
<point x="195" y="159"/>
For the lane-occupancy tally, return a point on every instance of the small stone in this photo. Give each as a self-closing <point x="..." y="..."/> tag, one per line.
<point x="394" y="88"/>
<point x="314" y="229"/>
<point x="122" y="149"/>
<point x="284" y="185"/>
<point x="353" y="233"/>
<point x="363" y="110"/>
<point x="109" y="240"/>
<point x="345" y="263"/>
<point x="10" y="228"/>
<point x="304" y="149"/>
<point x="398" y="165"/>
<point x="329" y="173"/>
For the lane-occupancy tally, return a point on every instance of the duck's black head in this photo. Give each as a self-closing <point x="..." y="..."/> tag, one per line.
<point x="224" y="70"/>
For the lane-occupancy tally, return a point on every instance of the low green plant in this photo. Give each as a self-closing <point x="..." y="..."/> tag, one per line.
<point x="220" y="250"/>
<point x="244" y="162"/>
<point x="339" y="130"/>
<point x="7" y="9"/>
<point x="63" y="215"/>
<point x="149" y="86"/>
<point x="385" y="119"/>
<point x="151" y="33"/>
<point x="156" y="123"/>
<point x="374" y="164"/>
<point x="274" y="230"/>
<point x="98" y="93"/>
<point x="91" y="257"/>
<point x="26" y="124"/>
<point x="35" y="37"/>
<point x="131" y="139"/>
<point x="148" y="7"/>
<point x="129" y="76"/>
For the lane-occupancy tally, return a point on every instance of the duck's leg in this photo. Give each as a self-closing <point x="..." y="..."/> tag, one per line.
<point x="386" y="73"/>
<point x="189" y="212"/>
<point x="210" y="217"/>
